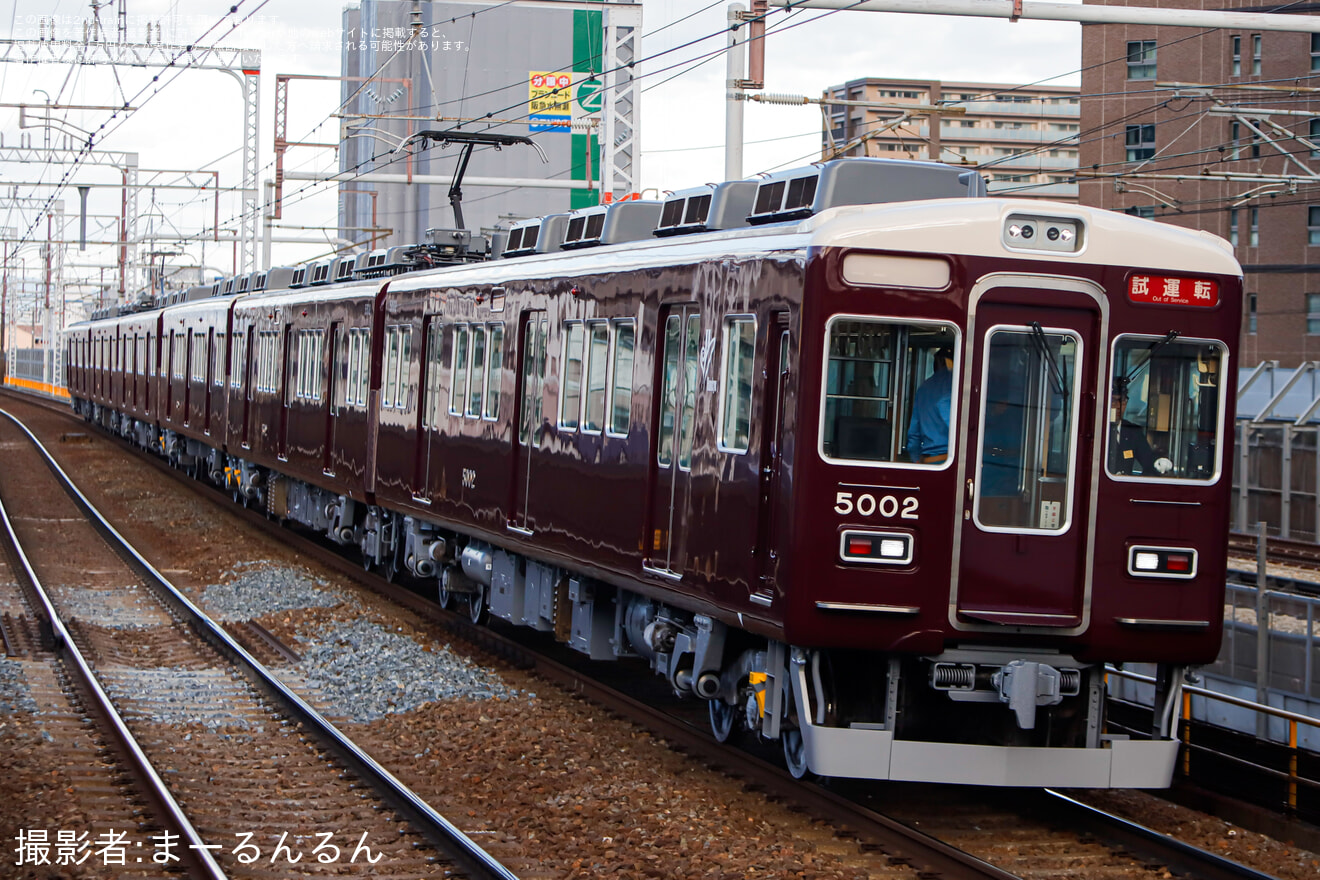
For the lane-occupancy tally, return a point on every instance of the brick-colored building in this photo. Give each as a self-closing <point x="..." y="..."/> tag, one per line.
<point x="1211" y="129"/>
<point x="1024" y="135"/>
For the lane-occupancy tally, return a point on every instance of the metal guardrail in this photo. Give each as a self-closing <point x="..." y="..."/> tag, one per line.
<point x="1293" y="719"/>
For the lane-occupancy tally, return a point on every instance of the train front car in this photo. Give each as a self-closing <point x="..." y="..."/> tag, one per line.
<point x="1011" y="467"/>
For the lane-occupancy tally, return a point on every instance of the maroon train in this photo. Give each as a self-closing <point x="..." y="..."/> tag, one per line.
<point x="693" y="448"/>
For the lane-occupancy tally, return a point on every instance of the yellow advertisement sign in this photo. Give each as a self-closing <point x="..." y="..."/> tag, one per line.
<point x="549" y="100"/>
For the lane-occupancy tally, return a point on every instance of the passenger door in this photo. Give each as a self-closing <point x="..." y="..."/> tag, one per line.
<point x="1027" y="468"/>
<point x="431" y="406"/>
<point x="772" y="447"/>
<point x="673" y="421"/>
<point x="333" y="408"/>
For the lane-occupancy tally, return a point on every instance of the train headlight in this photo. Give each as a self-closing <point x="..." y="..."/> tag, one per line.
<point x="876" y="548"/>
<point x="1162" y="562"/>
<point x="1033" y="233"/>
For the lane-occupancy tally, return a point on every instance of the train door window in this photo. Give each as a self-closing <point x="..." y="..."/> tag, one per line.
<point x="873" y="371"/>
<point x="431" y="381"/>
<point x="495" y="360"/>
<point x="620" y="405"/>
<point x="1165" y="409"/>
<point x="571" y="402"/>
<point x="318" y="354"/>
<point x="1028" y="430"/>
<point x="598" y="357"/>
<point x="459" y="370"/>
<point x="533" y="378"/>
<point x="398" y="341"/>
<point x="736" y="401"/>
<point x="681" y="352"/>
<point x="477" y="383"/>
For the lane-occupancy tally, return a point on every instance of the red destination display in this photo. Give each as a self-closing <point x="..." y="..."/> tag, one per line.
<point x="1165" y="291"/>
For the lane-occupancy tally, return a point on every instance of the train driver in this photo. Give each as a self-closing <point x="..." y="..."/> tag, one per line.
<point x="1129" y="450"/>
<point x="928" y="432"/>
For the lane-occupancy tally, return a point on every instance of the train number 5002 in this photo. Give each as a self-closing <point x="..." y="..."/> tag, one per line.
<point x="888" y="506"/>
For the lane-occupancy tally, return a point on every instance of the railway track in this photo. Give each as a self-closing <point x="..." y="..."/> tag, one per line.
<point x="248" y="761"/>
<point x="1279" y="551"/>
<point x="1029" y="841"/>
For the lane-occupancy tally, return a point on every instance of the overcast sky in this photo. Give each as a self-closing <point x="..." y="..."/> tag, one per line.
<point x="195" y="121"/>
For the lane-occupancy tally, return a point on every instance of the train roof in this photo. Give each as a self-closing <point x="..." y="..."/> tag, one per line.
<point x="981" y="227"/>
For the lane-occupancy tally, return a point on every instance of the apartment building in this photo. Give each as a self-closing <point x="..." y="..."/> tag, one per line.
<point x="1024" y="138"/>
<point x="1216" y="130"/>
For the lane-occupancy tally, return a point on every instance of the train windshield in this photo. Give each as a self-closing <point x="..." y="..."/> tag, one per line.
<point x="1028" y="429"/>
<point x="888" y="391"/>
<point x="1164" y="408"/>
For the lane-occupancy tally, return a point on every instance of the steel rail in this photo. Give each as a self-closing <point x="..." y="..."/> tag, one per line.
<point x="1177" y="856"/>
<point x="443" y="834"/>
<point x="56" y="635"/>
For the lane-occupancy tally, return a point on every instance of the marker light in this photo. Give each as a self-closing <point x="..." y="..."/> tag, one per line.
<point x="1039" y="233"/>
<point x="876" y="548"/>
<point x="1162" y="562"/>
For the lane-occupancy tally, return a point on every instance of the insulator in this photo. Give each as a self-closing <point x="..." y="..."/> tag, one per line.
<point x="948" y="676"/>
<point x="781" y="98"/>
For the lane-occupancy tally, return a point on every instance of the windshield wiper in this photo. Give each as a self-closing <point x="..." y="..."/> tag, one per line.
<point x="1043" y="346"/>
<point x="1124" y="381"/>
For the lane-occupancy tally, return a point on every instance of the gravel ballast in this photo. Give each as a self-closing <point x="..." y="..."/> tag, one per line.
<point x="367" y="672"/>
<point x="265" y="588"/>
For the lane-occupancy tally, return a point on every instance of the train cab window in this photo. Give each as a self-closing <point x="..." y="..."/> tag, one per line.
<point x="873" y="371"/>
<point x="736" y="401"/>
<point x="477" y="382"/>
<point x="1165" y="408"/>
<point x="458" y="385"/>
<point x="571" y="402"/>
<point x="1027" y="430"/>
<point x="495" y="361"/>
<point x="620" y="404"/>
<point x="598" y="351"/>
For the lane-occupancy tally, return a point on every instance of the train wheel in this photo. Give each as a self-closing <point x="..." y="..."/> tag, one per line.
<point x="443" y="596"/>
<point x="722" y="718"/>
<point x="477" y="605"/>
<point x="795" y="752"/>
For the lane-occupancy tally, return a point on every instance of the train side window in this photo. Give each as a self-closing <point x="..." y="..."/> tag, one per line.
<point x="736" y="401"/>
<point x="477" y="384"/>
<point x="403" y="400"/>
<point x="495" y="361"/>
<point x="620" y="405"/>
<point x="199" y="357"/>
<point x="431" y="376"/>
<point x="1165" y="409"/>
<point x="598" y="350"/>
<point x="218" y="361"/>
<point x="571" y="402"/>
<point x="458" y="385"/>
<point x="239" y="359"/>
<point x="353" y="396"/>
<point x="873" y="371"/>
